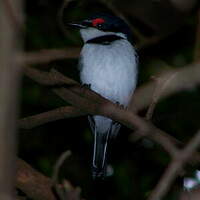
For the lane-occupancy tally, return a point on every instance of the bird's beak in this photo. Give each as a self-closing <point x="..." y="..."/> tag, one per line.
<point x="79" y="25"/>
<point x="76" y="25"/>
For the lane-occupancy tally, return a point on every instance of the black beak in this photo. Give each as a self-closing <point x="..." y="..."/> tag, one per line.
<point x="83" y="24"/>
<point x="76" y="25"/>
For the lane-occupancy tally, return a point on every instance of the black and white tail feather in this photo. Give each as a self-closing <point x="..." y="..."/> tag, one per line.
<point x="101" y="143"/>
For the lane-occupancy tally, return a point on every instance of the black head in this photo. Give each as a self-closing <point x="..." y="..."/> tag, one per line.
<point x="104" y="22"/>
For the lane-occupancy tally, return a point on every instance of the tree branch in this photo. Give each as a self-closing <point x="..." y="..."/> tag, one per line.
<point x="184" y="78"/>
<point x="53" y="115"/>
<point x="47" y="55"/>
<point x="90" y="102"/>
<point x="159" y="88"/>
<point x="174" y="167"/>
<point x="34" y="184"/>
<point x="39" y="187"/>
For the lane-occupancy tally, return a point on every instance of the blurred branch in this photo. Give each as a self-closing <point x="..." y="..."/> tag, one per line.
<point x="159" y="88"/>
<point x="182" y="79"/>
<point x="185" y="78"/>
<point x="15" y="17"/>
<point x="34" y="184"/>
<point x="111" y="6"/>
<point x="9" y="88"/>
<point x="53" y="115"/>
<point x="58" y="165"/>
<point x="197" y="42"/>
<point x="184" y="5"/>
<point x="90" y="102"/>
<point x="63" y="28"/>
<point x="37" y="186"/>
<point x="47" y="55"/>
<point x="146" y="42"/>
<point x="65" y="189"/>
<point x="155" y="98"/>
<point x="172" y="171"/>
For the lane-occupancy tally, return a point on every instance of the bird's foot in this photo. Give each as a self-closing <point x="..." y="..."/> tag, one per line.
<point x="121" y="106"/>
<point x="85" y="85"/>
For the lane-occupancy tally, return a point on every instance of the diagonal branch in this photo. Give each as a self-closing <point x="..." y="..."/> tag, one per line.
<point x="53" y="115"/>
<point x="48" y="55"/>
<point x="159" y="88"/>
<point x="37" y="186"/>
<point x="91" y="102"/>
<point x="34" y="184"/>
<point x="185" y="78"/>
<point x="174" y="167"/>
<point x="88" y="101"/>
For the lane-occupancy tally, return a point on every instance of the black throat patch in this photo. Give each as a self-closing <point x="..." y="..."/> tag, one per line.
<point x="104" y="40"/>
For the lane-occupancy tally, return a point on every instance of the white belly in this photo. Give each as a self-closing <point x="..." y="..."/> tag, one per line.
<point x="110" y="69"/>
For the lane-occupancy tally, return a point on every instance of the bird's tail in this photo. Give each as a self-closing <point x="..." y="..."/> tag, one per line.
<point x="99" y="165"/>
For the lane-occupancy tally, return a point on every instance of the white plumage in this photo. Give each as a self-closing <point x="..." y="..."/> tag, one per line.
<point x="111" y="70"/>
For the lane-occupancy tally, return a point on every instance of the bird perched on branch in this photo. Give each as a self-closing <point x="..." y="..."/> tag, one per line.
<point x="108" y="65"/>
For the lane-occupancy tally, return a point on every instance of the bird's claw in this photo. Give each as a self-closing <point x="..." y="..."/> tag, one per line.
<point x="121" y="106"/>
<point x="85" y="85"/>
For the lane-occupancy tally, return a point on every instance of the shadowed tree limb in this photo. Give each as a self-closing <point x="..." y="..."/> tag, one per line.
<point x="34" y="184"/>
<point x="53" y="115"/>
<point x="143" y="96"/>
<point x="64" y="190"/>
<point x="48" y="55"/>
<point x="39" y="187"/>
<point x="185" y="78"/>
<point x="90" y="102"/>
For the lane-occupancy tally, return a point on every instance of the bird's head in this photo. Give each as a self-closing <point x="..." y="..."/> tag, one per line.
<point x="102" y="24"/>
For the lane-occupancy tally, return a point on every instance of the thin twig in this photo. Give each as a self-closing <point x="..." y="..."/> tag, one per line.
<point x="161" y="85"/>
<point x="58" y="165"/>
<point x="64" y="190"/>
<point x="60" y="20"/>
<point x="117" y="12"/>
<point x="155" y="98"/>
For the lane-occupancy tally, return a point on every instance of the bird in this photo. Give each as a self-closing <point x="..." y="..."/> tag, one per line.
<point x="108" y="65"/>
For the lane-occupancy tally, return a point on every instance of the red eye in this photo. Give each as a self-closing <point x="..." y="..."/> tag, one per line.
<point x="97" y="21"/>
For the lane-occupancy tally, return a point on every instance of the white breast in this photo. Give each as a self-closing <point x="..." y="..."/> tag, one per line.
<point x="110" y="69"/>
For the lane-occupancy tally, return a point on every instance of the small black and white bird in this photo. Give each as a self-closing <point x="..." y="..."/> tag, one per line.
<point x="108" y="64"/>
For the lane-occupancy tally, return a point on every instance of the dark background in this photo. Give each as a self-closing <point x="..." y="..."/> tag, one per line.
<point x="137" y="165"/>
